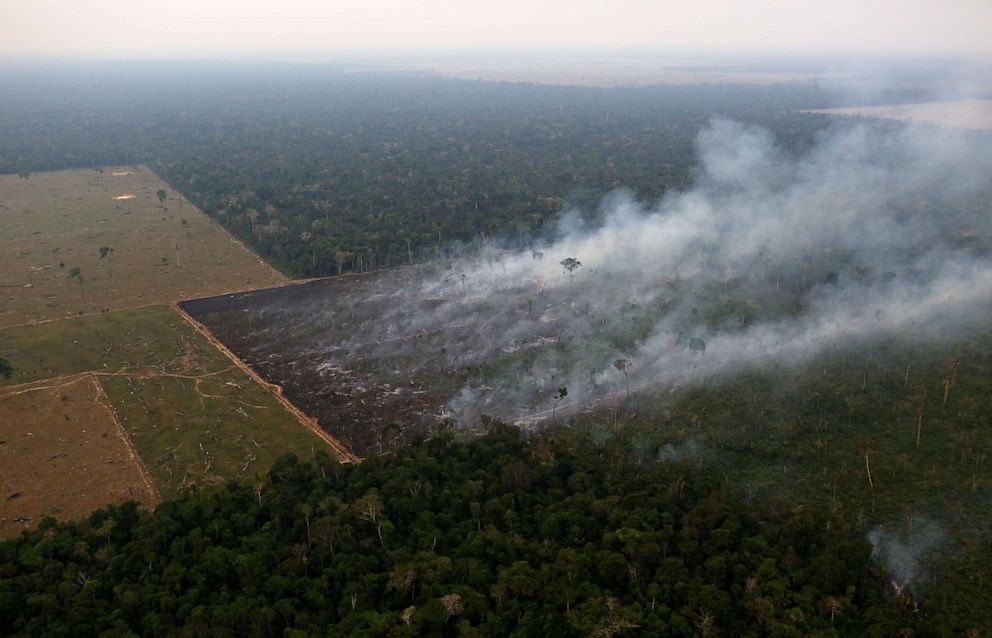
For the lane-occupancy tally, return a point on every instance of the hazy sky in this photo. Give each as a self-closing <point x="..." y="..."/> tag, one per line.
<point x="149" y="28"/>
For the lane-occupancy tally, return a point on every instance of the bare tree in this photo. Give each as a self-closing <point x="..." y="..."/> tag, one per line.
<point x="369" y="508"/>
<point x="106" y="251"/>
<point x="339" y="258"/>
<point x="305" y="237"/>
<point x="253" y="216"/>
<point x="623" y="367"/>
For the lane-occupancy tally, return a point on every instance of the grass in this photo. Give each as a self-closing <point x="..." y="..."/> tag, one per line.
<point x="191" y="414"/>
<point x="153" y="338"/>
<point x="54" y="222"/>
<point x="206" y="431"/>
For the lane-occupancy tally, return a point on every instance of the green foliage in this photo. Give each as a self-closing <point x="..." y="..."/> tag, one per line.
<point x="494" y="537"/>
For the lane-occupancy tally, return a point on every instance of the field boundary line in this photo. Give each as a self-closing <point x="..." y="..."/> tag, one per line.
<point x="104" y="400"/>
<point x="69" y="379"/>
<point x="344" y="454"/>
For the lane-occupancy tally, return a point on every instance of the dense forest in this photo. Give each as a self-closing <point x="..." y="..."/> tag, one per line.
<point x="556" y="536"/>
<point x="321" y="171"/>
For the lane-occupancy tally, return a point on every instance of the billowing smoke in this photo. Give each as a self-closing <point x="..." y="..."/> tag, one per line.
<point x="878" y="230"/>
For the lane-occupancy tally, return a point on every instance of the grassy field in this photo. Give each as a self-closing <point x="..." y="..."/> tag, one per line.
<point x="127" y="341"/>
<point x="63" y="455"/>
<point x="192" y="415"/>
<point x="52" y="223"/>
<point x="206" y="430"/>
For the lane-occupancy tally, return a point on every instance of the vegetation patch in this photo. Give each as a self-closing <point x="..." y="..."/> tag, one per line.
<point x="206" y="430"/>
<point x="193" y="415"/>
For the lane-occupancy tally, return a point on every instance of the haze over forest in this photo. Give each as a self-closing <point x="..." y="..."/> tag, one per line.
<point x="555" y="319"/>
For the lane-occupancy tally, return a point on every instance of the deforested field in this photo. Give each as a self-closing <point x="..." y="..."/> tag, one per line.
<point x="192" y="415"/>
<point x="86" y="241"/>
<point x="63" y="455"/>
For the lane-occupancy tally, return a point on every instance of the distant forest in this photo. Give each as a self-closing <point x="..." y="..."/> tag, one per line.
<point x="320" y="170"/>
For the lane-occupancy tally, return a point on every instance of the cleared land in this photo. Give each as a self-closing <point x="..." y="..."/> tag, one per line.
<point x="193" y="415"/>
<point x="63" y="455"/>
<point x="51" y="223"/>
<point x="606" y="72"/>
<point x="963" y="114"/>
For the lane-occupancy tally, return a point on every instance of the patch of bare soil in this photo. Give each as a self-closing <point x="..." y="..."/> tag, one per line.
<point x="64" y="456"/>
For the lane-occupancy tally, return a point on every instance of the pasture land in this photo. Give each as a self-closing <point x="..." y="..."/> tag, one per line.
<point x="193" y="415"/>
<point x="63" y="455"/>
<point x="52" y="223"/>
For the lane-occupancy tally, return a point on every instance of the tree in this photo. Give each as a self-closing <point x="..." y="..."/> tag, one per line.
<point x="570" y="264"/>
<point x="339" y="258"/>
<point x="305" y="237"/>
<point x="623" y="366"/>
<point x="76" y="273"/>
<point x="558" y="396"/>
<point x="253" y="216"/>
<point x="369" y="507"/>
<point x="5" y="368"/>
<point x="161" y="196"/>
<point x="106" y="251"/>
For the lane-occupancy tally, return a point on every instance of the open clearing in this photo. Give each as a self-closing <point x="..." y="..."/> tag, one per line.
<point x="51" y="223"/>
<point x="963" y="114"/>
<point x="193" y="415"/>
<point x="63" y="455"/>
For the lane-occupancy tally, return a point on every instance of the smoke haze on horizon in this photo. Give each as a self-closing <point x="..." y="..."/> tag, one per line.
<point x="192" y="28"/>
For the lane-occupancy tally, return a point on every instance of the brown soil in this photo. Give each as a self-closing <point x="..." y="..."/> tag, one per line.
<point x="63" y="455"/>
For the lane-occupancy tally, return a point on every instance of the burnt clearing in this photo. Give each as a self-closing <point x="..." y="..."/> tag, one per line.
<point x="379" y="358"/>
<point x="299" y="337"/>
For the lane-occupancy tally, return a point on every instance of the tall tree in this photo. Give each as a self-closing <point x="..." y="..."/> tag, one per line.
<point x="76" y="273"/>
<point x="623" y="367"/>
<point x="108" y="252"/>
<point x="570" y="264"/>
